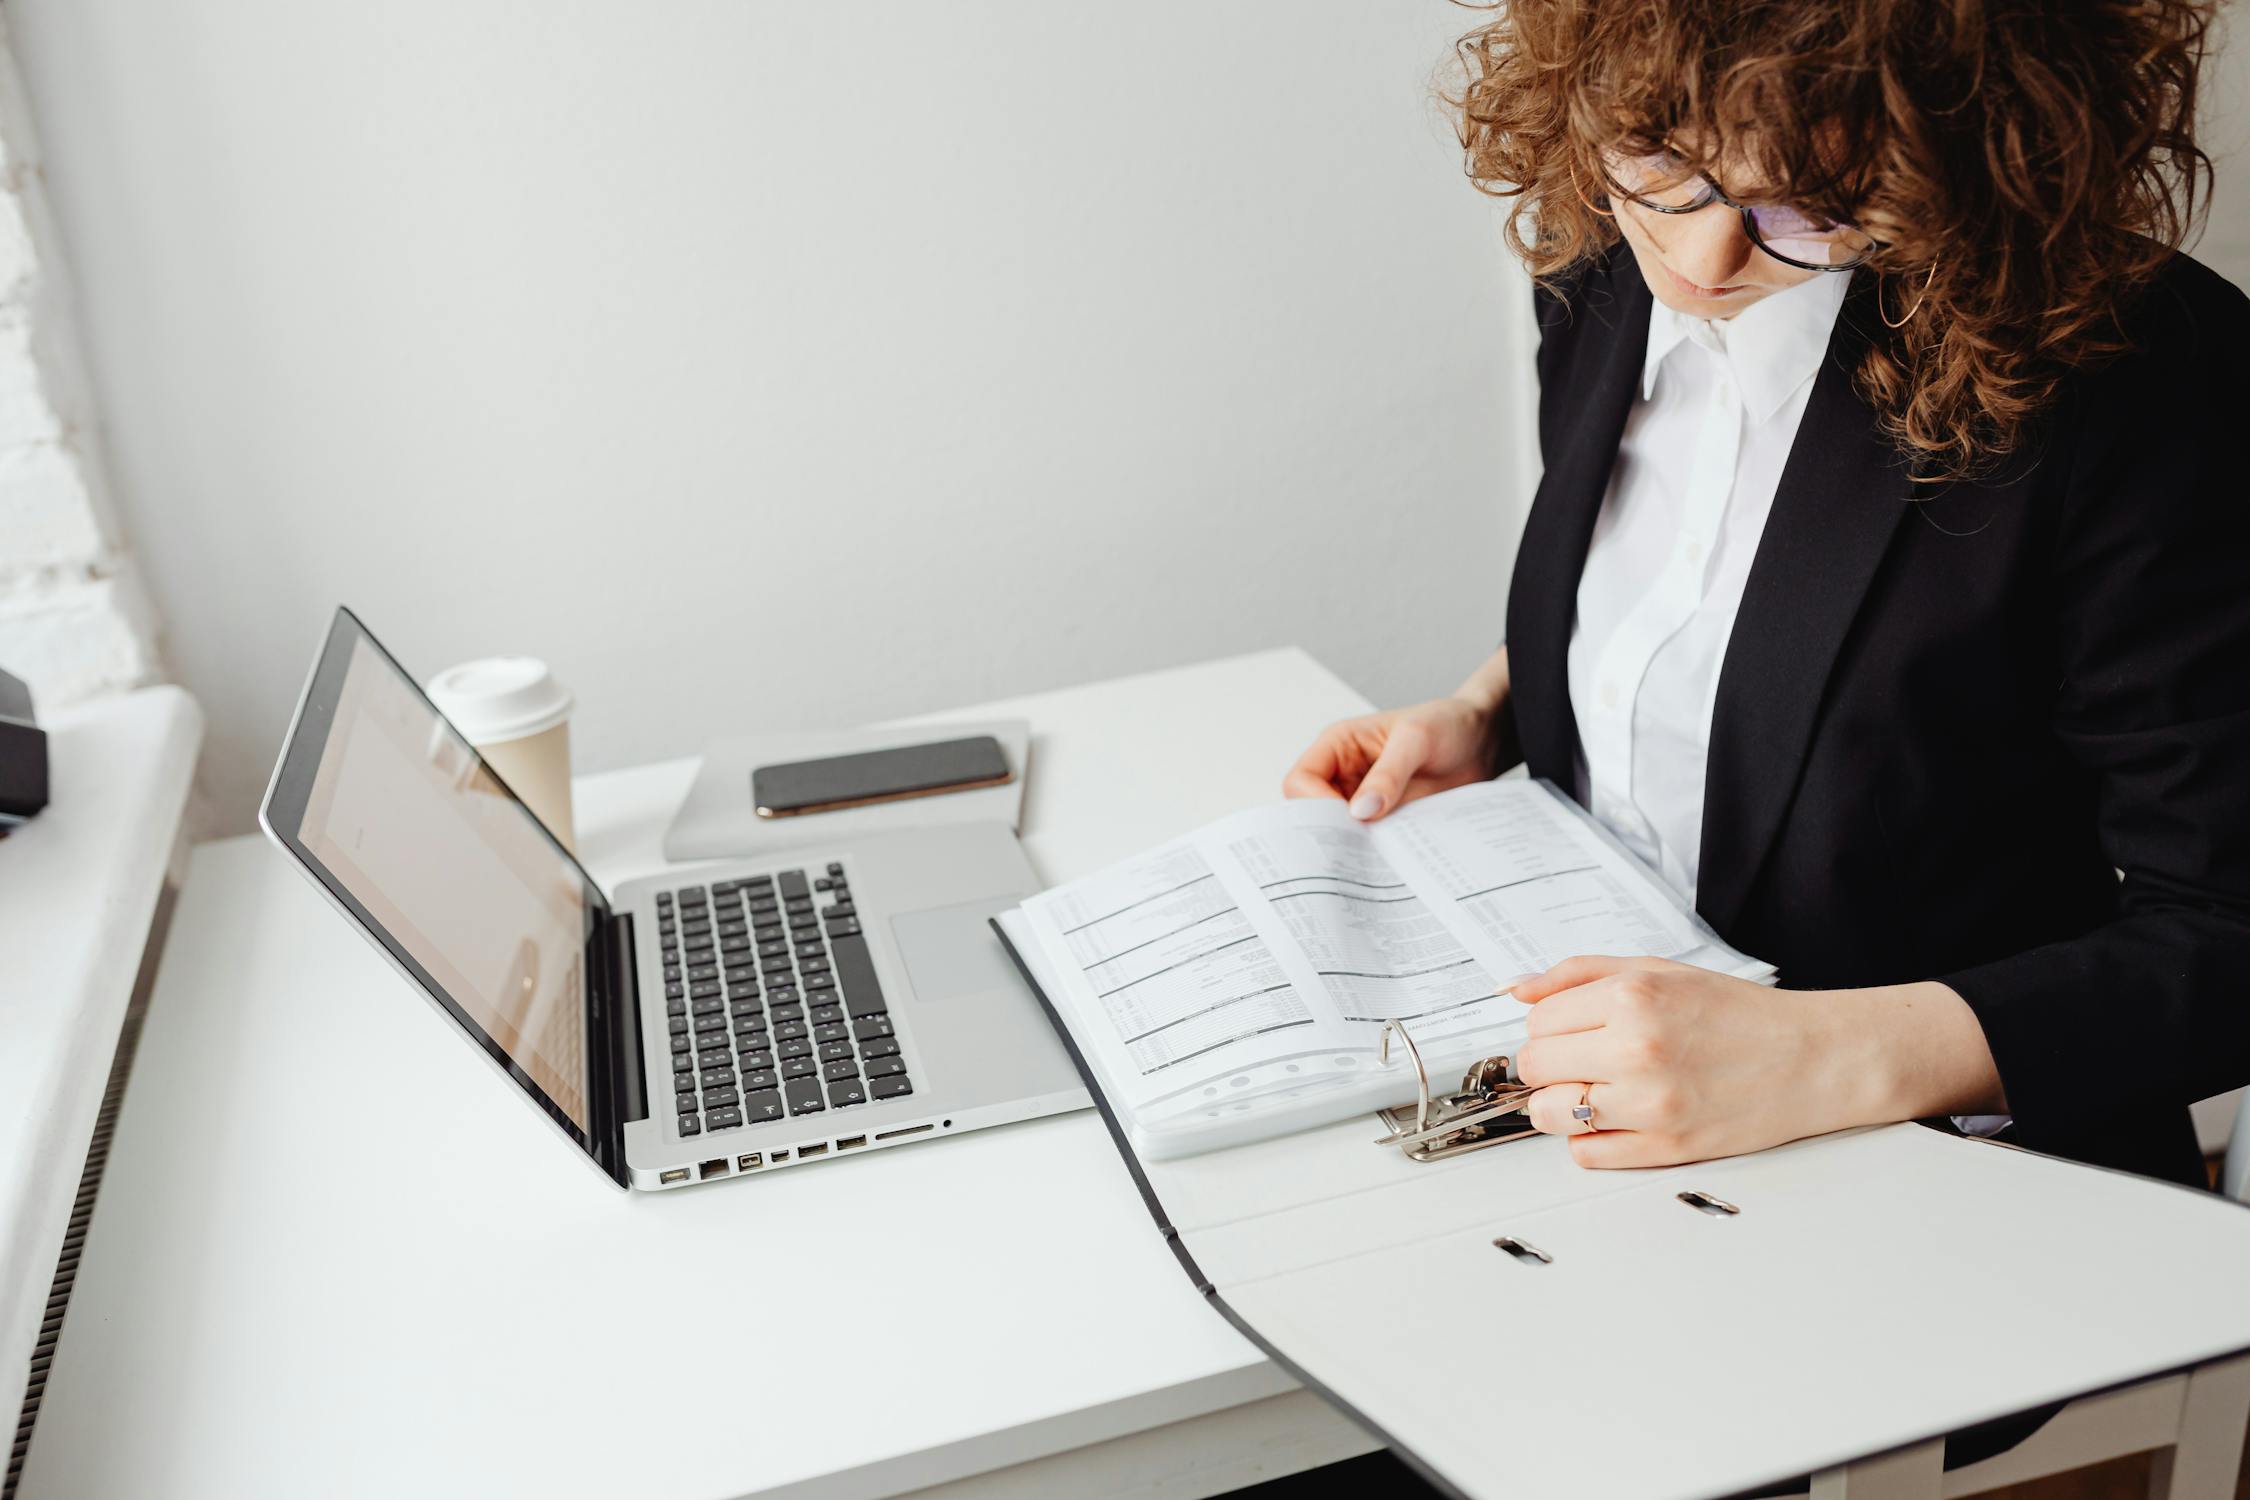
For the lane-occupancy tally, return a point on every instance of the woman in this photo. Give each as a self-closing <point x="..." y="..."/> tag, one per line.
<point x="1888" y="588"/>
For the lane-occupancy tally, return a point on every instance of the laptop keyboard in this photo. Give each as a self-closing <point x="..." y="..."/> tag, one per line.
<point x="772" y="1001"/>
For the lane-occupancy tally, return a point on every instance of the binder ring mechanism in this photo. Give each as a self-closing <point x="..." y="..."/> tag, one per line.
<point x="1486" y="1110"/>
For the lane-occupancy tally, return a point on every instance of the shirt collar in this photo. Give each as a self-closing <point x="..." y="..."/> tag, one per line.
<point x="1772" y="346"/>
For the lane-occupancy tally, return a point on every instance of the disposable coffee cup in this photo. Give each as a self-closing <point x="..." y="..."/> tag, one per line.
<point x="517" y="715"/>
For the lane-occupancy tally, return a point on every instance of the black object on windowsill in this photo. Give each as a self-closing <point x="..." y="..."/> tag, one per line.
<point x="23" y="756"/>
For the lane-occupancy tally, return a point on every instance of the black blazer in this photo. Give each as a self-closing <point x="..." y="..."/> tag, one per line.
<point x="1944" y="725"/>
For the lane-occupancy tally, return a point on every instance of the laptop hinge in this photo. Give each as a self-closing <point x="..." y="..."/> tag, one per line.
<point x="629" y="1077"/>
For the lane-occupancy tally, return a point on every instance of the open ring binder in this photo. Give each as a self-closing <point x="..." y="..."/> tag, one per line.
<point x="1868" y="1290"/>
<point x="1486" y="1110"/>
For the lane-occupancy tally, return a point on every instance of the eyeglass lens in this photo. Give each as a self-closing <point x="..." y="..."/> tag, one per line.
<point x="1795" y="234"/>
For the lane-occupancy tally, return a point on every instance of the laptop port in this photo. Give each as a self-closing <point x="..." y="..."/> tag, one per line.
<point x="805" y="1151"/>
<point x="848" y="1142"/>
<point x="749" y="1162"/>
<point x="677" y="1174"/>
<point x="779" y="1156"/>
<point x="892" y="1135"/>
<point x="715" y="1167"/>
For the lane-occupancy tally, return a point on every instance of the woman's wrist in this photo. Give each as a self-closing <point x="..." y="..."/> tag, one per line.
<point x="1906" y="1052"/>
<point x="1487" y="687"/>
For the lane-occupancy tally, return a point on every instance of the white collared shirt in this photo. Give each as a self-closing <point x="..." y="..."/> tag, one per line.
<point x="1695" y="475"/>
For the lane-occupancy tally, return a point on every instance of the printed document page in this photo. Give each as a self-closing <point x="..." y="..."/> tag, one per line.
<point x="1261" y="955"/>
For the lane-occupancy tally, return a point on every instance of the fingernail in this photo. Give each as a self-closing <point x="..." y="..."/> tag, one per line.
<point x="1366" y="805"/>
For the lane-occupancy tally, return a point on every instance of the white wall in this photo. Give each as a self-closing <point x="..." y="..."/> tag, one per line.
<point x="783" y="364"/>
<point x="74" y="622"/>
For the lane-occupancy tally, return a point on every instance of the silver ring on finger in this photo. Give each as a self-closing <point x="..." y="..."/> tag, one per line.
<point x="1583" y="1110"/>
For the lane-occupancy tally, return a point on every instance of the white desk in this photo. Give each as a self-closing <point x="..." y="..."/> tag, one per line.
<point x="78" y="887"/>
<point x="332" y="1256"/>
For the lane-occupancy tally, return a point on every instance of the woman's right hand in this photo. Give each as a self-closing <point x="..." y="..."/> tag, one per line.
<point x="1382" y="761"/>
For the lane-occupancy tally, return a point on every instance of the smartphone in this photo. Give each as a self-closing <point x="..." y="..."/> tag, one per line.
<point x="870" y="776"/>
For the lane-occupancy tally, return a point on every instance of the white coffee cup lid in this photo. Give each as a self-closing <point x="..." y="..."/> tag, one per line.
<point x="501" y="698"/>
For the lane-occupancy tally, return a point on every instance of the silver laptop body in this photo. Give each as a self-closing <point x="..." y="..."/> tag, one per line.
<point x="719" y="1021"/>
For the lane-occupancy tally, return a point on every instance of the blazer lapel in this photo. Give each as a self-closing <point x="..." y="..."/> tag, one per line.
<point x="1840" y="499"/>
<point x="1591" y="399"/>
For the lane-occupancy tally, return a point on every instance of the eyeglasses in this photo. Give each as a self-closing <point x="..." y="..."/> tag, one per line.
<point x="1794" y="236"/>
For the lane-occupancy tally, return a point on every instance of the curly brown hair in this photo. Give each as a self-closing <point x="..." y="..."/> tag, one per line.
<point x="2025" y="165"/>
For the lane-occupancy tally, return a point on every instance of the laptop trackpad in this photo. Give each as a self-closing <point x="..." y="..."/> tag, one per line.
<point x="950" y="951"/>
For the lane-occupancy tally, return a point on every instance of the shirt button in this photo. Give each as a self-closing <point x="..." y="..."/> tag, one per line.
<point x="1609" y="695"/>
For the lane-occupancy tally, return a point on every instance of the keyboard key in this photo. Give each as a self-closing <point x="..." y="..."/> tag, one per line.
<point x="842" y="909"/>
<point x="683" y="1082"/>
<point x="786" y="1010"/>
<point x="675" y="1007"/>
<point x="693" y="895"/>
<point x="851" y="1091"/>
<point x="744" y="1005"/>
<point x="792" y="883"/>
<point x="762" y="1106"/>
<point x="710" y="1005"/>
<point x="812" y="950"/>
<point x="795" y="1049"/>
<point x="812" y="966"/>
<point x="835" y="1051"/>
<point x="684" y="1103"/>
<point x="833" y="1032"/>
<point x="831" y="1072"/>
<point x="723" y="1119"/>
<point x="674" y="991"/>
<point x="881" y="1047"/>
<point x="663" y="898"/>
<point x="703" y="989"/>
<point x="761" y="1078"/>
<point x="717" y="1080"/>
<point x="690" y="1125"/>
<point x="823" y="1014"/>
<point x="755" y="1058"/>
<point x="713" y="1022"/>
<point x="822" y="884"/>
<point x="749" y="1026"/>
<point x="835" y="867"/>
<point x="885" y="1067"/>
<point x="702" y="971"/>
<point x="804" y="1096"/>
<point x="855" y="966"/>
<point x="714" y="1098"/>
<point x="799" y="1067"/>
<point x="679" y="1025"/>
<point x="797" y="904"/>
<point x="843" y="927"/>
<point x="890" y="1088"/>
<point x="680" y="1042"/>
<point x="820" y="983"/>
<point x="872" y="1028"/>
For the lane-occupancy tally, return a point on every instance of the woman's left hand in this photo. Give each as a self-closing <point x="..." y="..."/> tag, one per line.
<point x="1684" y="1063"/>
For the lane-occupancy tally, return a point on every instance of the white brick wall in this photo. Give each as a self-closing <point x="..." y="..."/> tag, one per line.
<point x="74" y="620"/>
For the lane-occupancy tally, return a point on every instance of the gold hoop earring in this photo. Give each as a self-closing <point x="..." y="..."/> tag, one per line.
<point x="1580" y="193"/>
<point x="1920" y="298"/>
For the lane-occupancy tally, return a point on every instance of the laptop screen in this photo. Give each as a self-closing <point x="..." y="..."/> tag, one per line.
<point x="395" y="813"/>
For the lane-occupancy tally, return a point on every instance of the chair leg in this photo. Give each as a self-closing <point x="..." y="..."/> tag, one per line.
<point x="1916" y="1473"/>
<point x="2205" y="1461"/>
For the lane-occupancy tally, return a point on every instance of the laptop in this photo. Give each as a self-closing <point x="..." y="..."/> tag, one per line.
<point x="718" y="1021"/>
